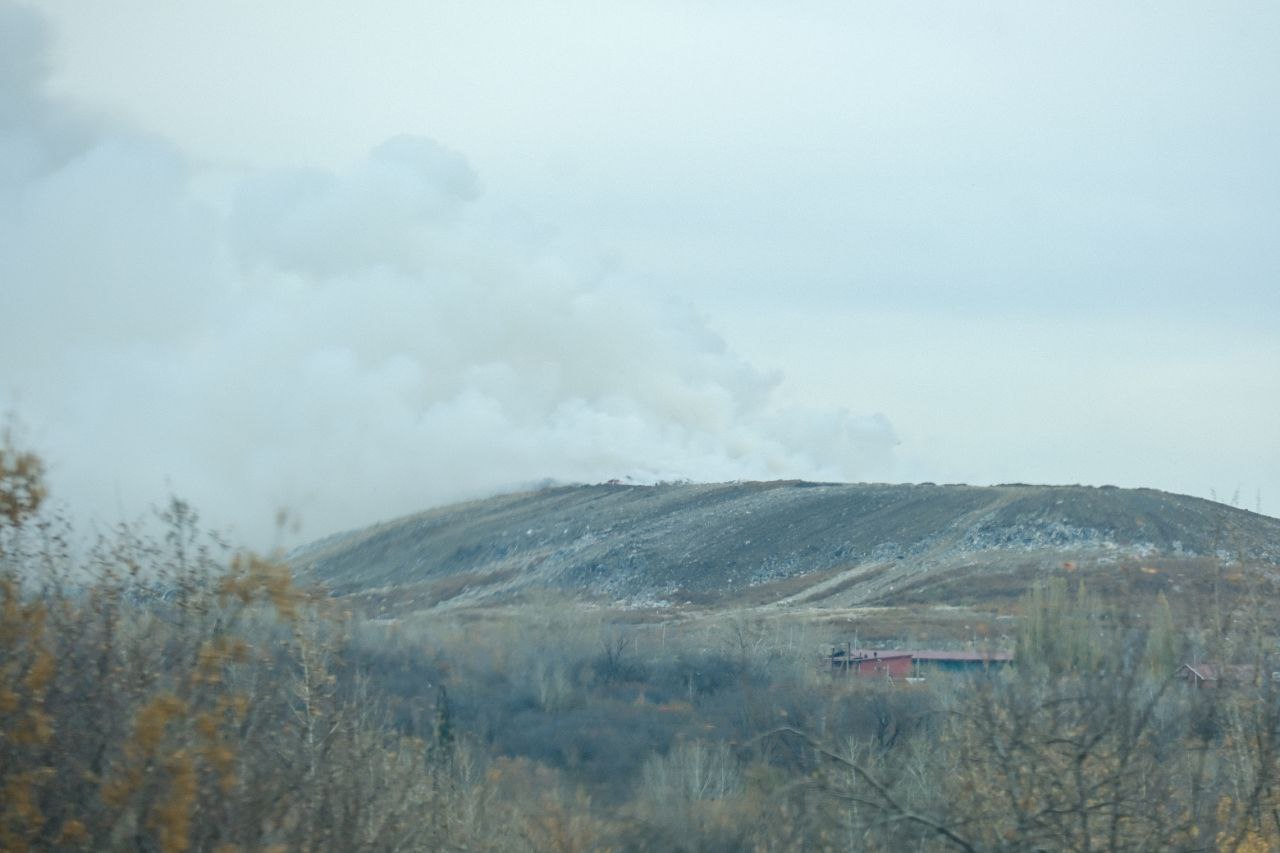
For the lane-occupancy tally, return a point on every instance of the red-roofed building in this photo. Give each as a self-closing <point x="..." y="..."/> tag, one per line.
<point x="904" y="663"/>
<point x="891" y="664"/>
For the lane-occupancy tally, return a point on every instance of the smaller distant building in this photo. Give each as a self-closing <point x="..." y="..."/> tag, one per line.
<point x="1213" y="675"/>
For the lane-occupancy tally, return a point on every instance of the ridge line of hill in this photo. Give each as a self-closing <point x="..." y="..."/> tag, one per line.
<point x="777" y="543"/>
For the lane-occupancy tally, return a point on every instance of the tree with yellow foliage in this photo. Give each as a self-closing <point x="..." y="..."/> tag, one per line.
<point x="177" y="702"/>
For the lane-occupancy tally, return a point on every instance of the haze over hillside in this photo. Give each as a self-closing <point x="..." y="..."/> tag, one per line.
<point x="777" y="543"/>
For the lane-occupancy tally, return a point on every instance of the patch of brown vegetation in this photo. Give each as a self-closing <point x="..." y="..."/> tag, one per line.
<point x="450" y="587"/>
<point x="768" y="593"/>
<point x="844" y="585"/>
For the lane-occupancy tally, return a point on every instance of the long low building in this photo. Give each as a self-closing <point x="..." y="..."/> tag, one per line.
<point x="908" y="663"/>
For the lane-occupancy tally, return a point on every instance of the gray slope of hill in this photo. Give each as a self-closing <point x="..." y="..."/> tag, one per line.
<point x="785" y="540"/>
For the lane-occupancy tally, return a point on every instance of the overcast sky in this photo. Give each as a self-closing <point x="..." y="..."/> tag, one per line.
<point x="359" y="259"/>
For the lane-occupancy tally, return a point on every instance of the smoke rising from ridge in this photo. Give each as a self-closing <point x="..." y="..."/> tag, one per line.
<point x="351" y="345"/>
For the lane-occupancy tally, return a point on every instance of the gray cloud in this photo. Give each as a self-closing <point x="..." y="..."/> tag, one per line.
<point x="352" y="344"/>
<point x="317" y="224"/>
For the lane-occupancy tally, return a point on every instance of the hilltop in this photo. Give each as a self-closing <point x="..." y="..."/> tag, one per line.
<point x="781" y="543"/>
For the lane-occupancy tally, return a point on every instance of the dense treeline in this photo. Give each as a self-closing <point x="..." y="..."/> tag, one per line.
<point x="164" y="693"/>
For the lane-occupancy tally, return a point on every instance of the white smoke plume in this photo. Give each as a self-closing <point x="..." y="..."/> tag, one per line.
<point x="351" y="346"/>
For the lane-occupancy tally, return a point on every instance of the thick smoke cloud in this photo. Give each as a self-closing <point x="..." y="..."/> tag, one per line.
<point x="352" y="346"/>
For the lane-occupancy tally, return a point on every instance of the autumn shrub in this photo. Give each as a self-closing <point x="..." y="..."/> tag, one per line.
<point x="160" y="693"/>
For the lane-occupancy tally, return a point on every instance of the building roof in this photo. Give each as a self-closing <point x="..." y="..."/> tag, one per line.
<point x="931" y="654"/>
<point x="926" y="655"/>
<point x="872" y="654"/>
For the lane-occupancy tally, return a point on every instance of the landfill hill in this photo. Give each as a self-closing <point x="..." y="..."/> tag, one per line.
<point x="788" y="543"/>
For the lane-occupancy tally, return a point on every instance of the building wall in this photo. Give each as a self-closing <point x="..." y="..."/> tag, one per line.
<point x="897" y="666"/>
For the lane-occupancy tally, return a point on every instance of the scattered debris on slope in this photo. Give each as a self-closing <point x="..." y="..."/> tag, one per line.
<point x="769" y="543"/>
